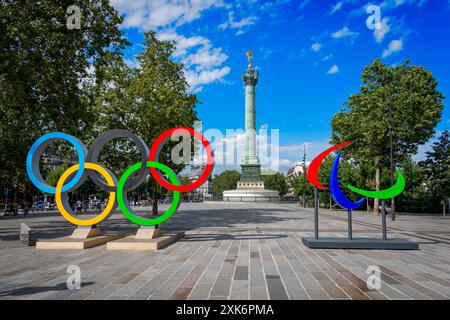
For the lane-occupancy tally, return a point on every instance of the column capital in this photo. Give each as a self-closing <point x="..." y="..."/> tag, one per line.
<point x="250" y="77"/>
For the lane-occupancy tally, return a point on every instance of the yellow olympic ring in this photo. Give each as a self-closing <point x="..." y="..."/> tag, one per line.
<point x="103" y="214"/>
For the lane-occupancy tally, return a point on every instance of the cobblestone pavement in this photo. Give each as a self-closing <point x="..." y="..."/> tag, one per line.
<point x="232" y="251"/>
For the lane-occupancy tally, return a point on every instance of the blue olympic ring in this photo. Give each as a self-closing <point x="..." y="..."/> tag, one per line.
<point x="35" y="153"/>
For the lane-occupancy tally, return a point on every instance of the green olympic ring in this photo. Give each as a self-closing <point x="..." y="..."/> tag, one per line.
<point x="389" y="193"/>
<point x="124" y="207"/>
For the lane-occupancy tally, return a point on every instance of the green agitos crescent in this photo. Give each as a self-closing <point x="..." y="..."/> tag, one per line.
<point x="389" y="193"/>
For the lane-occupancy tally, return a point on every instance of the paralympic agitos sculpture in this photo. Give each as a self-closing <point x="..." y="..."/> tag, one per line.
<point x="87" y="166"/>
<point x="343" y="201"/>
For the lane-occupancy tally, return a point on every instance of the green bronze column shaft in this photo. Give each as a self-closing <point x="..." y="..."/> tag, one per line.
<point x="251" y="167"/>
<point x="250" y="81"/>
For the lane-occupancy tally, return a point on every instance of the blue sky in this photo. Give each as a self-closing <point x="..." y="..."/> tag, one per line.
<point x="310" y="55"/>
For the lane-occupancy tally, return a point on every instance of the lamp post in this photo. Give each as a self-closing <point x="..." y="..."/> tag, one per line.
<point x="391" y="155"/>
<point x="316" y="214"/>
<point x="304" y="173"/>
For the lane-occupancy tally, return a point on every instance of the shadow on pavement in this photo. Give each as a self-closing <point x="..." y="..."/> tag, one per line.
<point x="34" y="290"/>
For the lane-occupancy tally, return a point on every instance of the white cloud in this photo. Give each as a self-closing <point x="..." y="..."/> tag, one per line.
<point x="132" y="63"/>
<point x="339" y="5"/>
<point x="394" y="46"/>
<point x="197" y="79"/>
<point x="327" y="57"/>
<point x="334" y="69"/>
<point x="205" y="57"/>
<point x="183" y="44"/>
<point x="380" y="33"/>
<point x="316" y="46"/>
<point x="389" y="4"/>
<point x="343" y="33"/>
<point x="292" y="154"/>
<point x="304" y="3"/>
<point x="336" y="7"/>
<point x="203" y="62"/>
<point x="269" y="5"/>
<point x="229" y="151"/>
<point x="238" y="24"/>
<point x="146" y="15"/>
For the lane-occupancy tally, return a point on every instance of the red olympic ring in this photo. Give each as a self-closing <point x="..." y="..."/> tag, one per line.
<point x="313" y="170"/>
<point x="154" y="155"/>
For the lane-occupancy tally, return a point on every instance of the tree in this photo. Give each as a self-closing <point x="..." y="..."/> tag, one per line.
<point x="49" y="74"/>
<point x="277" y="182"/>
<point x="414" y="190"/>
<point x="301" y="186"/>
<point x="147" y="100"/>
<point x="227" y="180"/>
<point x="437" y="169"/>
<point x="398" y="104"/>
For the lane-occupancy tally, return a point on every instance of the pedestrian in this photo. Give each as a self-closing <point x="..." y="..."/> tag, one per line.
<point x="78" y="205"/>
<point x="16" y="209"/>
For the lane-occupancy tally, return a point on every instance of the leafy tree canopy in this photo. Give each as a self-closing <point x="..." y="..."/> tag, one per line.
<point x="227" y="180"/>
<point x="49" y="73"/>
<point x="276" y="182"/>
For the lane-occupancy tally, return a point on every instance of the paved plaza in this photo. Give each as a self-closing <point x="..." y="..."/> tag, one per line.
<point x="232" y="251"/>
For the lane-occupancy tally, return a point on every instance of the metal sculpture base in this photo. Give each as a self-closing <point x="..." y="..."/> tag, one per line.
<point x="355" y="243"/>
<point x="145" y="239"/>
<point x="359" y="243"/>
<point x="82" y="238"/>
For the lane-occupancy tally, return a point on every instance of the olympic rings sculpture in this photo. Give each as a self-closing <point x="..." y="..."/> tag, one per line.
<point x="132" y="178"/>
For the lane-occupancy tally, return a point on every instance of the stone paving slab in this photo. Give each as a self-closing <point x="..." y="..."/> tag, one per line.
<point x="232" y="251"/>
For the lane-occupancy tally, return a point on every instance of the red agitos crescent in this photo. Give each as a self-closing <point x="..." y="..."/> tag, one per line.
<point x="313" y="170"/>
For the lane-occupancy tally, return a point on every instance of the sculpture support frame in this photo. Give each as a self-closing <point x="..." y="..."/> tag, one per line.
<point x="384" y="243"/>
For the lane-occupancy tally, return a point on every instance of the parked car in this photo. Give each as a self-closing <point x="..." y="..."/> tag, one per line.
<point x="38" y="205"/>
<point x="49" y="205"/>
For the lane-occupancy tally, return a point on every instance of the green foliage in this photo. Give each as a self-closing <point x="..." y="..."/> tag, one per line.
<point x="52" y="176"/>
<point x="277" y="182"/>
<point x="75" y="81"/>
<point x="146" y="100"/>
<point x="301" y="186"/>
<point x="416" y="104"/>
<point x="399" y="102"/>
<point x="227" y="180"/>
<point x="49" y="74"/>
<point x="414" y="180"/>
<point x="437" y="168"/>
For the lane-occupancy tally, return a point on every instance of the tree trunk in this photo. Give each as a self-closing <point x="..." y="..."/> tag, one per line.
<point x="393" y="209"/>
<point x="368" y="205"/>
<point x="376" y="202"/>
<point x="444" y="204"/>
<point x="155" y="202"/>
<point x="393" y="199"/>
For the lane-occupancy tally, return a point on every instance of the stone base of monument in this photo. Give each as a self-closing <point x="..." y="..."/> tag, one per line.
<point x="82" y="238"/>
<point x="359" y="243"/>
<point x="145" y="239"/>
<point x="251" y="195"/>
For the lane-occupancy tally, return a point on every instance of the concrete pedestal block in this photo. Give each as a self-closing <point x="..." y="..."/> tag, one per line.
<point x="84" y="233"/>
<point x="81" y="238"/>
<point x="135" y="243"/>
<point x="148" y="233"/>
